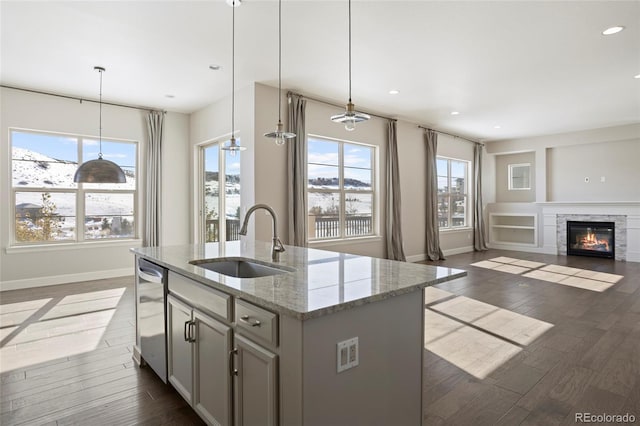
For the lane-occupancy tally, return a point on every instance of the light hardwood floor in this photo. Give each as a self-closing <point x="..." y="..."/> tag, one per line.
<point x="500" y="348"/>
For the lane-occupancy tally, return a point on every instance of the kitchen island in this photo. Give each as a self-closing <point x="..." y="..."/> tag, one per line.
<point x="330" y="338"/>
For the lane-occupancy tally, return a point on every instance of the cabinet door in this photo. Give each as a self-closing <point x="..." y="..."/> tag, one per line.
<point x="212" y="390"/>
<point x="180" y="349"/>
<point x="256" y="387"/>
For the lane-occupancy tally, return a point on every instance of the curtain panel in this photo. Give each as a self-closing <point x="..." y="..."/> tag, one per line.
<point x="433" y="251"/>
<point x="395" y="250"/>
<point x="479" y="240"/>
<point x="297" y="171"/>
<point x="153" y="196"/>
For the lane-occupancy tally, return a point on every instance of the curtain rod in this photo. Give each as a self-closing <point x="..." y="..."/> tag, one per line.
<point x="450" y="134"/>
<point x="336" y="105"/>
<point x="39" y="92"/>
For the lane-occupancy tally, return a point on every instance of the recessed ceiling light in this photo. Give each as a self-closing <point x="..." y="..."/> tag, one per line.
<point x="234" y="3"/>
<point x="214" y="67"/>
<point x="636" y="76"/>
<point x="170" y="96"/>
<point x="496" y="126"/>
<point x="612" y="30"/>
<point x="455" y="113"/>
<point x="394" y="92"/>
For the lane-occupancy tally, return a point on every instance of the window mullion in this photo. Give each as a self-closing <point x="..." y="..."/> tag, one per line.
<point x="342" y="213"/>
<point x="80" y="204"/>
<point x="222" y="195"/>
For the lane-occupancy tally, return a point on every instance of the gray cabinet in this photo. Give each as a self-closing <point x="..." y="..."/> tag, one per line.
<point x="256" y="386"/>
<point x="212" y="382"/>
<point x="199" y="354"/>
<point x="179" y="347"/>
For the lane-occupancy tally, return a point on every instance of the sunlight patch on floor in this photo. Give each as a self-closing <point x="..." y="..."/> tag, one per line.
<point x="475" y="336"/>
<point x="512" y="326"/>
<point x="471" y="350"/>
<point x="41" y="331"/>
<point x="574" y="277"/>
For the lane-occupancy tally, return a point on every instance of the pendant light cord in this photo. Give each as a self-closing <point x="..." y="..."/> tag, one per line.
<point x="349" y="51"/>
<point x="279" y="61"/>
<point x="100" y="124"/>
<point x="233" y="73"/>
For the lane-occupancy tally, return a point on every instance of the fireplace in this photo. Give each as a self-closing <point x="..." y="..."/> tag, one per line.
<point x="591" y="239"/>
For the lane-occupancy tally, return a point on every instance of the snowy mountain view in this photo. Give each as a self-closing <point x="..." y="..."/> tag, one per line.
<point x="50" y="214"/>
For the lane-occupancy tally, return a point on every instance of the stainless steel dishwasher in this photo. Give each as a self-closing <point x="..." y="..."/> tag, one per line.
<point x="151" y="317"/>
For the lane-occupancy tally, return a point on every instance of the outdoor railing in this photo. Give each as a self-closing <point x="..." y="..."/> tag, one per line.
<point x="329" y="226"/>
<point x="232" y="228"/>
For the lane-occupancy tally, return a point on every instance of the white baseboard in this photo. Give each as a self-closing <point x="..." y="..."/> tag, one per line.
<point x="451" y="252"/>
<point x="64" y="279"/>
<point x="518" y="247"/>
<point x="416" y="258"/>
<point x="633" y="256"/>
<point x="458" y="250"/>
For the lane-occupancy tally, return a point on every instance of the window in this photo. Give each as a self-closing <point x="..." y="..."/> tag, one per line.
<point x="48" y="205"/>
<point x="214" y="225"/>
<point x="340" y="189"/>
<point x="519" y="176"/>
<point x="452" y="193"/>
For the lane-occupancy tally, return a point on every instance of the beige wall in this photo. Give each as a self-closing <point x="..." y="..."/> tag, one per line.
<point x="503" y="194"/>
<point x="607" y="171"/>
<point x="28" y="267"/>
<point x="563" y="161"/>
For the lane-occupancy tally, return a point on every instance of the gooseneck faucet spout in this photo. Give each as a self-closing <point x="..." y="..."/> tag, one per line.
<point x="276" y="244"/>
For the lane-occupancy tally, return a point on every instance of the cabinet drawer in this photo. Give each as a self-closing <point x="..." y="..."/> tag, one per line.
<point x="200" y="296"/>
<point x="257" y="322"/>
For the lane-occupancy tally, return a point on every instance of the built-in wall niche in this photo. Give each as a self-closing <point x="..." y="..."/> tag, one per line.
<point x="519" y="177"/>
<point x="513" y="229"/>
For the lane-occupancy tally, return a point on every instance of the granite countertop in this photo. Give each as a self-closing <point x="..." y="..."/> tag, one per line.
<point x="323" y="281"/>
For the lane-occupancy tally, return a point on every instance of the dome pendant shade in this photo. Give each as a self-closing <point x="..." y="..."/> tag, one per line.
<point x="280" y="135"/>
<point x="99" y="171"/>
<point x="350" y="117"/>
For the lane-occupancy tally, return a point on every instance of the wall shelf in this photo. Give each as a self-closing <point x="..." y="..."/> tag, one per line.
<point x="513" y="229"/>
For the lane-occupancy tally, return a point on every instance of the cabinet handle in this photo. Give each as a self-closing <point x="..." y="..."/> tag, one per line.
<point x="245" y="318"/>
<point x="232" y="371"/>
<point x="186" y="325"/>
<point x="192" y="326"/>
<point x="188" y="333"/>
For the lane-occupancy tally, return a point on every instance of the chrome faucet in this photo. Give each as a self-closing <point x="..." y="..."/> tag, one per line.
<point x="276" y="244"/>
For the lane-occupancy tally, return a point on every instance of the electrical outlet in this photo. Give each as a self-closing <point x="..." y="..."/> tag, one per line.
<point x="348" y="354"/>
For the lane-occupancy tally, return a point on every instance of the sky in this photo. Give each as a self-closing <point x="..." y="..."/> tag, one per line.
<point x="62" y="147"/>
<point x="212" y="156"/>
<point x="324" y="158"/>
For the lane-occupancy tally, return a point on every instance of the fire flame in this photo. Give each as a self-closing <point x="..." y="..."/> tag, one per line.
<point x="589" y="240"/>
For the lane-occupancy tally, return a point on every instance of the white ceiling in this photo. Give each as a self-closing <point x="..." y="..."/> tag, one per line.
<point x="531" y="67"/>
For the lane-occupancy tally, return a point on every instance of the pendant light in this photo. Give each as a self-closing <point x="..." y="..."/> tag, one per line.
<point x="100" y="170"/>
<point x="280" y="135"/>
<point x="350" y="117"/>
<point x="233" y="146"/>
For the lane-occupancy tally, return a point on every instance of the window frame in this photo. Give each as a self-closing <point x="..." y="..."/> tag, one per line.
<point x="79" y="193"/>
<point x="374" y="192"/>
<point x="199" y="175"/>
<point x="449" y="194"/>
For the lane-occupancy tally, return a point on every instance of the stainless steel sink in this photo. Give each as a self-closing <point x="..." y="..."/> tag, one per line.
<point x="241" y="267"/>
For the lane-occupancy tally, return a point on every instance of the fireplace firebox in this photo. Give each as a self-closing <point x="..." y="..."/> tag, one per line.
<point x="591" y="239"/>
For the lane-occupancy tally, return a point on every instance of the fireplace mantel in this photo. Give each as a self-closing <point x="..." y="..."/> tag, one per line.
<point x="628" y="213"/>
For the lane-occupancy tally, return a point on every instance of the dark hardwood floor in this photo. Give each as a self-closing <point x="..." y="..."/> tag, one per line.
<point x="65" y="352"/>
<point x="588" y="362"/>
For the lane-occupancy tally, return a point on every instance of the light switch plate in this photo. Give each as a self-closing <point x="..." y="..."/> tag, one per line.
<point x="348" y="354"/>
